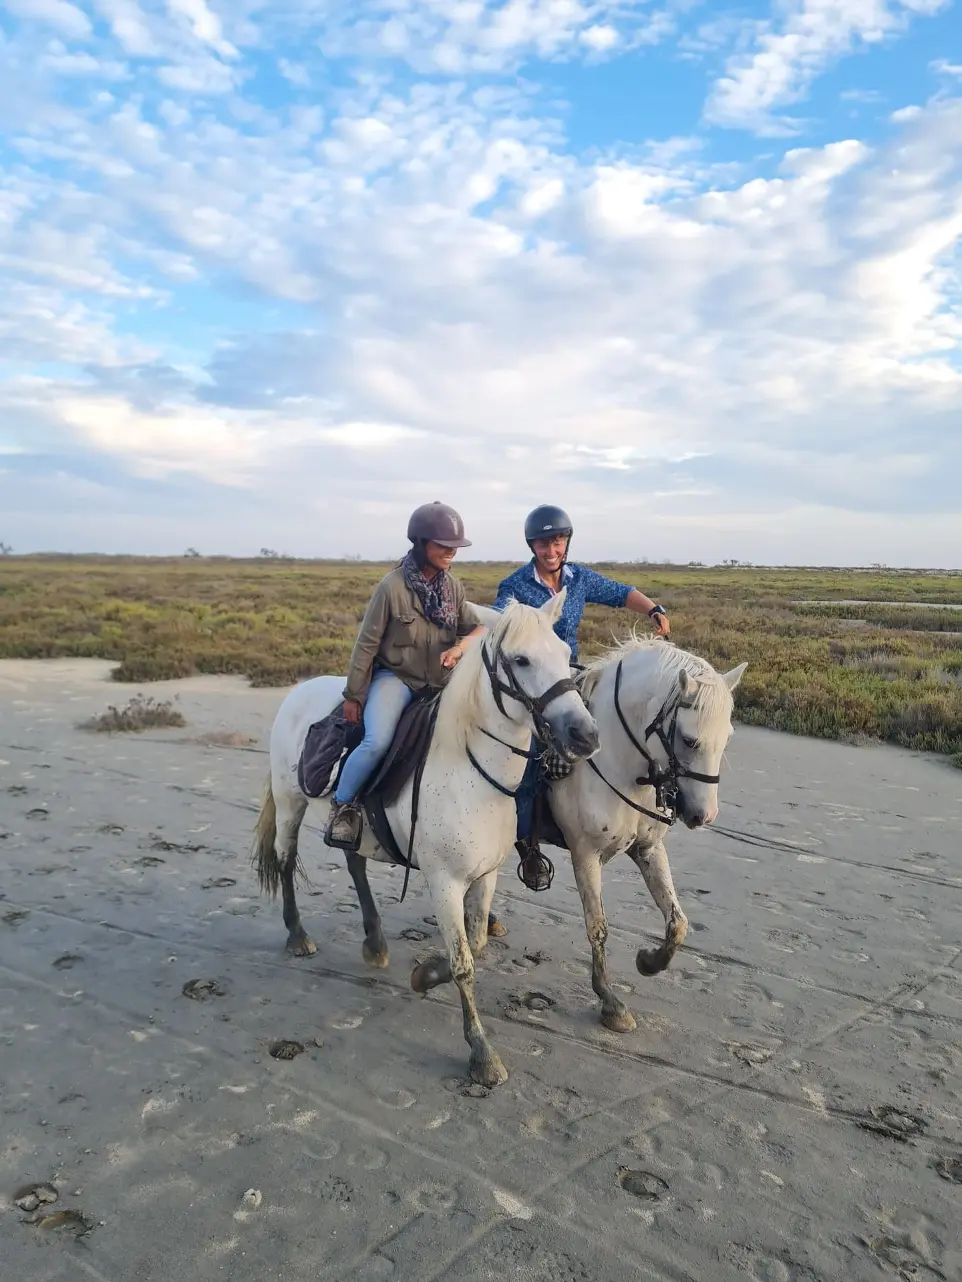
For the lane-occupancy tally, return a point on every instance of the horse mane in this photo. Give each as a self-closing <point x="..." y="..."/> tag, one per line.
<point x="460" y="710"/>
<point x="711" y="699"/>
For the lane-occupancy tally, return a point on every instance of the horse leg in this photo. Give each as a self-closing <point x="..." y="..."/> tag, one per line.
<point x="615" y="1015"/>
<point x="290" y="812"/>
<point x="374" y="947"/>
<point x="477" y="915"/>
<point x="653" y="864"/>
<point x="485" y="1065"/>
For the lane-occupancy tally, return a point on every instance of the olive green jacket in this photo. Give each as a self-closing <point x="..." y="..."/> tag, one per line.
<point x="396" y="635"/>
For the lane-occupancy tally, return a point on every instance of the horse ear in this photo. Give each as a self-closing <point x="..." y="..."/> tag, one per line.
<point x="731" y="679"/>
<point x="486" y="617"/>
<point x="553" y="607"/>
<point x="685" y="684"/>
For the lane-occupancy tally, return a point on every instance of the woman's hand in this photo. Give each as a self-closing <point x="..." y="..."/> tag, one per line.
<point x="352" y="712"/>
<point x="660" y="623"/>
<point x="451" y="658"/>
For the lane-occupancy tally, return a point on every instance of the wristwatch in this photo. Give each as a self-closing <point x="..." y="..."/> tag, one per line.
<point x="656" y="609"/>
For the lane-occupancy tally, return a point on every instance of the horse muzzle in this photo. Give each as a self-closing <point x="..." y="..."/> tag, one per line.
<point x="576" y="737"/>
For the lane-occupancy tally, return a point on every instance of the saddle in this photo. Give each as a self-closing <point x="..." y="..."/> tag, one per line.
<point x="403" y="760"/>
<point x="329" y="742"/>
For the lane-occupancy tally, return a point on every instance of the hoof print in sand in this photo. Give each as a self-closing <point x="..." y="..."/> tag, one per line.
<point x="15" y="916"/>
<point x="67" y="961"/>
<point x="199" y="990"/>
<point x="148" y="861"/>
<point x="218" y="883"/>
<point x="70" y="1219"/>
<point x="111" y="830"/>
<point x="285" y="1050"/>
<point x="753" y="1056"/>
<point x="38" y="812"/>
<point x="415" y="935"/>
<point x="892" y="1123"/>
<point x="32" y="1196"/>
<point x="650" y="1188"/>
<point x="950" y="1168"/>
<point x="537" y="1001"/>
<point x="474" y="1090"/>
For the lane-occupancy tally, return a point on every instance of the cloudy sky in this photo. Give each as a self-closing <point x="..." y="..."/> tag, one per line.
<point x="276" y="271"/>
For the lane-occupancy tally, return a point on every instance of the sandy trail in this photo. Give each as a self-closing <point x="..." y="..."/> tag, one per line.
<point x="722" y="1140"/>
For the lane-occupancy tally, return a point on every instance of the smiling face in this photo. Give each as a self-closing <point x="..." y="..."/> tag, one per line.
<point x="438" y="555"/>
<point x="549" y="553"/>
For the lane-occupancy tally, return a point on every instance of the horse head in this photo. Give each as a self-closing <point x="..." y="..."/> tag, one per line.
<point x="690" y="733"/>
<point x="528" y="666"/>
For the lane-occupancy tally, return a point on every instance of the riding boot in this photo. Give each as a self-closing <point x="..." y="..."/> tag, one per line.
<point x="535" y="870"/>
<point x="344" y="825"/>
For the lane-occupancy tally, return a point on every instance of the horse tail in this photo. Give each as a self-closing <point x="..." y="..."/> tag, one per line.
<point x="264" y="853"/>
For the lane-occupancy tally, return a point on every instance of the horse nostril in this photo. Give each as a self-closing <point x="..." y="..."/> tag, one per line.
<point x="583" y="738"/>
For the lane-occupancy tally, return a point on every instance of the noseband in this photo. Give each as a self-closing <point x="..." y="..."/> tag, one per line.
<point x="664" y="779"/>
<point x="511" y="688"/>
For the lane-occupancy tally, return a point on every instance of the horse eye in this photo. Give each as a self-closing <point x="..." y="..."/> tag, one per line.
<point x="689" y="743"/>
<point x="522" y="661"/>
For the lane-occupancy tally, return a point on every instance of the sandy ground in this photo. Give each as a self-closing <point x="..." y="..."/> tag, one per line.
<point x="725" y="1139"/>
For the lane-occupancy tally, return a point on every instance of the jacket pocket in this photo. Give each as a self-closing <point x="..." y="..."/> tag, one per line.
<point x="403" y="632"/>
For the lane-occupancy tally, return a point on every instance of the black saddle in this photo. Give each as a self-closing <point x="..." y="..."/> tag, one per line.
<point x="403" y="761"/>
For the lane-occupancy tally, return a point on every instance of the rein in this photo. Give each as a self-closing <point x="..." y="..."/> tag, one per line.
<point x="535" y="706"/>
<point x="664" y="779"/>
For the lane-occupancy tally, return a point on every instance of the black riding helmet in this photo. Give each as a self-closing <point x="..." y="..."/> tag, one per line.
<point x="545" y="522"/>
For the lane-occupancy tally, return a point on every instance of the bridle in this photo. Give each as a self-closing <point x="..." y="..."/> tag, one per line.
<point x="511" y="688"/>
<point x="664" y="779"/>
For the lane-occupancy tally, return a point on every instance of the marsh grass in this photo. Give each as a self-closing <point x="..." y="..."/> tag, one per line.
<point x="877" y="671"/>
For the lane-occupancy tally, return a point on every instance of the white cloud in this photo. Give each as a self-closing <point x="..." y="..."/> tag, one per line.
<point x="458" y="36"/>
<point x="129" y="26"/>
<point x="785" y="59"/>
<point x="204" y="23"/>
<point x="63" y="17"/>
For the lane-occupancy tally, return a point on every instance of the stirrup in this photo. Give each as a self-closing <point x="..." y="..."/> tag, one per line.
<point x="535" y="869"/>
<point x="345" y="810"/>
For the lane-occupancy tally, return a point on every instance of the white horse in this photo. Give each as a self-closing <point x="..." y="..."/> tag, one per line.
<point x="514" y="680"/>
<point x="664" y="717"/>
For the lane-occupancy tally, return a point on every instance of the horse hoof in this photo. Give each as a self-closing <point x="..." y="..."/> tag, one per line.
<point x="487" y="1070"/>
<point x="619" y="1021"/>
<point x="379" y="960"/>
<point x="651" y="961"/>
<point x="429" y="974"/>
<point x="301" y="945"/>
<point x="495" y="928"/>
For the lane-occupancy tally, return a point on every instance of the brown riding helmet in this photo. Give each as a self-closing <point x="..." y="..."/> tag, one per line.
<point x="437" y="523"/>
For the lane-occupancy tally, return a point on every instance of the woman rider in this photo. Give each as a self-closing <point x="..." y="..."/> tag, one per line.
<point x="548" y="532"/>
<point x="412" y="635"/>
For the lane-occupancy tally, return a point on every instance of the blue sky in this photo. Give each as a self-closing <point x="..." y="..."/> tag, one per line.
<point x="276" y="273"/>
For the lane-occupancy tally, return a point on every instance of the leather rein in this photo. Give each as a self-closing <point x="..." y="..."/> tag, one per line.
<point x="535" y="706"/>
<point x="664" y="779"/>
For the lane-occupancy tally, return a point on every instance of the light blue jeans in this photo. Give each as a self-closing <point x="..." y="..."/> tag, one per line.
<point x="386" y="700"/>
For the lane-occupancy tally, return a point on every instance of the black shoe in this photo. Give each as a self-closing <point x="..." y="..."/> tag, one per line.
<point x="535" y="869"/>
<point x="344" y="826"/>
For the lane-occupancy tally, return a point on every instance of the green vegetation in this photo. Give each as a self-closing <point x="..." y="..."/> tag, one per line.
<point x="881" y="671"/>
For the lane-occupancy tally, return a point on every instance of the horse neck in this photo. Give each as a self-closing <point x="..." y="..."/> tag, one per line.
<point x="645" y="686"/>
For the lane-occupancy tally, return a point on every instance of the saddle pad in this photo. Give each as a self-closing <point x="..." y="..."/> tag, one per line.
<point x="328" y="742"/>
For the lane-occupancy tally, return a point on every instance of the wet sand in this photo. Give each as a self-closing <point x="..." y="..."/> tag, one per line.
<point x="789" y="1109"/>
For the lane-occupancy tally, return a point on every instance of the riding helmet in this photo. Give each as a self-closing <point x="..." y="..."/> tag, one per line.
<point x="546" y="521"/>
<point x="437" y="523"/>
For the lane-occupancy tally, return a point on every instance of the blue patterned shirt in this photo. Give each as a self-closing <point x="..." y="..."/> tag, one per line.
<point x="585" y="587"/>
